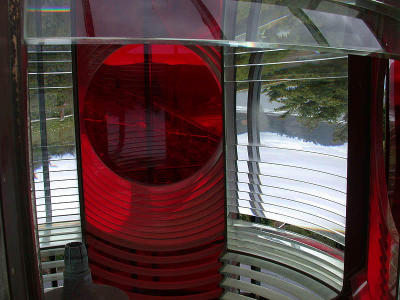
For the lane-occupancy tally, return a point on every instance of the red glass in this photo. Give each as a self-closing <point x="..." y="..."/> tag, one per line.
<point x="383" y="234"/>
<point x="154" y="122"/>
<point x="152" y="164"/>
<point x="394" y="141"/>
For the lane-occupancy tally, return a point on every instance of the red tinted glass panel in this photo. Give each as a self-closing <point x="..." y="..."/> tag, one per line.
<point x="156" y="121"/>
<point x="383" y="234"/>
<point x="152" y="164"/>
<point x="394" y="142"/>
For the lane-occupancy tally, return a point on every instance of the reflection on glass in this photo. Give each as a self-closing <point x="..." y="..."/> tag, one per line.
<point x="65" y="201"/>
<point x="287" y="191"/>
<point x="53" y="164"/>
<point x="348" y="25"/>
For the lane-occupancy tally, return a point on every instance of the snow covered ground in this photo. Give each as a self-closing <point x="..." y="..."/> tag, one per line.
<point x="62" y="223"/>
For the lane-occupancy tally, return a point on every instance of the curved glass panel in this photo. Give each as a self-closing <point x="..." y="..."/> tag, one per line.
<point x="359" y="26"/>
<point x="287" y="160"/>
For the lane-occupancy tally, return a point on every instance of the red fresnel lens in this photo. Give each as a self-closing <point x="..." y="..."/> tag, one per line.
<point x="152" y="164"/>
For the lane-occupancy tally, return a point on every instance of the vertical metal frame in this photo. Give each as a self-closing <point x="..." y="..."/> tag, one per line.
<point x="4" y="287"/>
<point x="42" y="119"/>
<point x="22" y="261"/>
<point x="78" y="140"/>
<point x="229" y="109"/>
<point x="379" y="190"/>
<point x="393" y="89"/>
<point x="358" y="173"/>
<point x="75" y="95"/>
<point x="230" y="130"/>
